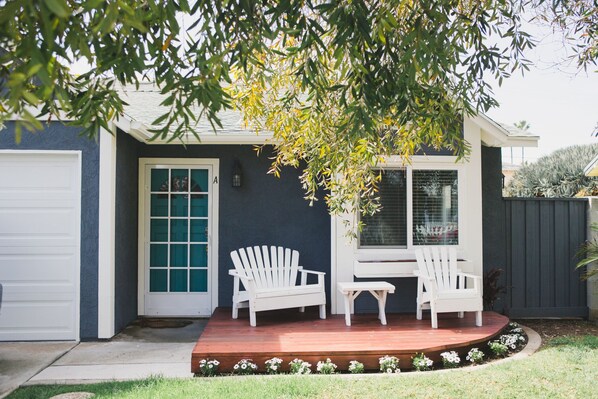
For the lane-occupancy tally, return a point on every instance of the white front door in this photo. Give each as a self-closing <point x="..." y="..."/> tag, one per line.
<point x="179" y="260"/>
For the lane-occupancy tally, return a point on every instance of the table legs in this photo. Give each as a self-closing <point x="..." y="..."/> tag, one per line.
<point x="380" y="295"/>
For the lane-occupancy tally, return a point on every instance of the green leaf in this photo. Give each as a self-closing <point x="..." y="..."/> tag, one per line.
<point x="59" y="7"/>
<point x="30" y="98"/>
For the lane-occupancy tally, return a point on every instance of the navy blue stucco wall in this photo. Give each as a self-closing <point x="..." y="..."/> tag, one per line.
<point x="264" y="210"/>
<point x="57" y="136"/>
<point x="493" y="215"/>
<point x="125" y="246"/>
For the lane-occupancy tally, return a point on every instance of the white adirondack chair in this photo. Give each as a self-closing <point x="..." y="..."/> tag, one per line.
<point x="441" y="285"/>
<point x="270" y="282"/>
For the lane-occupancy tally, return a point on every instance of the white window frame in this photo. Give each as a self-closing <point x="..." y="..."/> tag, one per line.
<point x="439" y="162"/>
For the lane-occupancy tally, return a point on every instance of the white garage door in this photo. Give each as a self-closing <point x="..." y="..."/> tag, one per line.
<point x="40" y="200"/>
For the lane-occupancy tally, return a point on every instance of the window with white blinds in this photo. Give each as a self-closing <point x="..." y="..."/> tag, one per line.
<point x="434" y="200"/>
<point x="388" y="227"/>
<point x="435" y="207"/>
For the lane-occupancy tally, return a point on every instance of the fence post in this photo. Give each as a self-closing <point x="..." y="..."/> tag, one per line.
<point x="593" y="281"/>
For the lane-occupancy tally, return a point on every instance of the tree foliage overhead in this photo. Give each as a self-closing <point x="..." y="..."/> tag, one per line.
<point x="560" y="174"/>
<point x="578" y="20"/>
<point x="339" y="83"/>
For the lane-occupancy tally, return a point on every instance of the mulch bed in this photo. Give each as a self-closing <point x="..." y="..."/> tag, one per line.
<point x="552" y="328"/>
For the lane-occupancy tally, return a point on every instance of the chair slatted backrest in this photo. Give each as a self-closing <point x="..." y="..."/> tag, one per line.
<point x="269" y="269"/>
<point x="440" y="264"/>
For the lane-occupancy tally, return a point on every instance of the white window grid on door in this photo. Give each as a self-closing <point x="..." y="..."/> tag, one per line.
<point x="169" y="218"/>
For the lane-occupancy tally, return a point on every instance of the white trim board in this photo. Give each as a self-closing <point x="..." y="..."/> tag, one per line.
<point x="106" y="234"/>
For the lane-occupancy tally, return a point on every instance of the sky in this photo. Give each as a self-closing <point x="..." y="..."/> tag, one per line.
<point x="559" y="102"/>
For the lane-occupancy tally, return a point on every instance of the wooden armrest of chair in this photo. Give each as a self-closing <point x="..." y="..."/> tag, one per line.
<point x="305" y="272"/>
<point x="312" y="272"/>
<point x="468" y="275"/>
<point x="235" y="273"/>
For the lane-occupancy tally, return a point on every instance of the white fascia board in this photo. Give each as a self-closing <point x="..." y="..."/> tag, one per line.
<point x="521" y="141"/>
<point x="140" y="132"/>
<point x="494" y="135"/>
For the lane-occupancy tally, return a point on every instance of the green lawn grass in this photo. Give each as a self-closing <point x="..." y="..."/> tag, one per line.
<point x="565" y="368"/>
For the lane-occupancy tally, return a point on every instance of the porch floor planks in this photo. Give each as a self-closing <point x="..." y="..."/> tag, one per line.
<point x="289" y="334"/>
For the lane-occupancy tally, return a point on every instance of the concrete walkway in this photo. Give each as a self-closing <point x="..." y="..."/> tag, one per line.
<point x="19" y="361"/>
<point x="140" y="351"/>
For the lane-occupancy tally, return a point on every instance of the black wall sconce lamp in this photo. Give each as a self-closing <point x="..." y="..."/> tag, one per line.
<point x="237" y="175"/>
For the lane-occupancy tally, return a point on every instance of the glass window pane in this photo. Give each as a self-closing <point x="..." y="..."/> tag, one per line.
<point x="158" y="255"/>
<point x="178" y="255"/>
<point x="199" y="205"/>
<point x="159" y="230"/>
<point x="199" y="230"/>
<point x="179" y="205"/>
<point x="199" y="255"/>
<point x="178" y="280"/>
<point x="159" y="205"/>
<point x="158" y="280"/>
<point x="199" y="280"/>
<point x="178" y="230"/>
<point x="199" y="180"/>
<point x="159" y="180"/>
<point x="179" y="180"/>
<point x="388" y="227"/>
<point x="435" y="207"/>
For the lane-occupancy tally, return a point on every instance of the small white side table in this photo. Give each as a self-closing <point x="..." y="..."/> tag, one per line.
<point x="379" y="289"/>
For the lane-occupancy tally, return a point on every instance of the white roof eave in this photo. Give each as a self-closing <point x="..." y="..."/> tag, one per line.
<point x="142" y="133"/>
<point x="494" y="135"/>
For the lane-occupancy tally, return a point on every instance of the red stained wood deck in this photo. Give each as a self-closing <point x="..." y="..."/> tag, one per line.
<point x="288" y="334"/>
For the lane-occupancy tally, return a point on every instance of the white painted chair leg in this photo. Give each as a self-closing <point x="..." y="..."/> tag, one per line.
<point x="235" y="310"/>
<point x="461" y="315"/>
<point x="302" y="309"/>
<point x="478" y="319"/>
<point x="418" y="311"/>
<point x="322" y="311"/>
<point x="252" y="321"/>
<point x="434" y="317"/>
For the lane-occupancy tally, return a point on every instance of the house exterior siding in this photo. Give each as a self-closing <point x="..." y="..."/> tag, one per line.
<point x="493" y="219"/>
<point x="56" y="136"/>
<point x="265" y="210"/>
<point x="125" y="249"/>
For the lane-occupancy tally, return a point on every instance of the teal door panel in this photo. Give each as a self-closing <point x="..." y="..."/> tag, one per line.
<point x="179" y="230"/>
